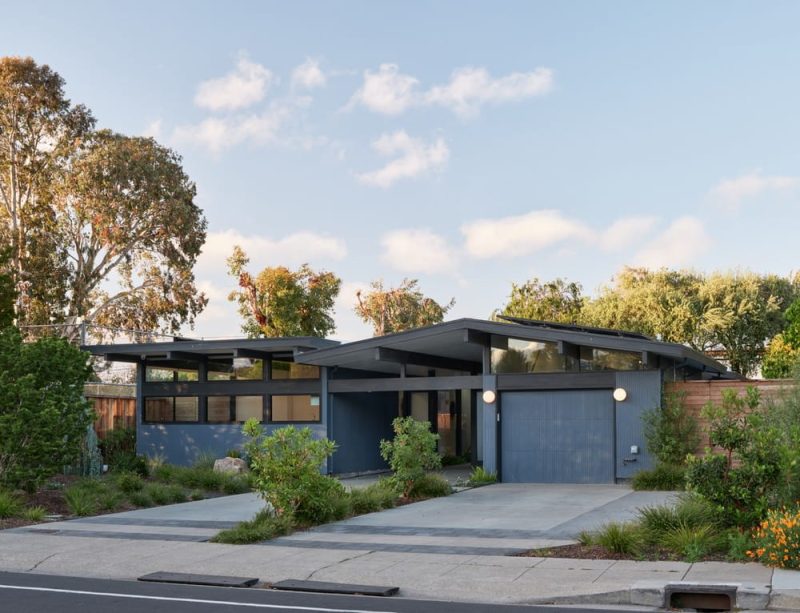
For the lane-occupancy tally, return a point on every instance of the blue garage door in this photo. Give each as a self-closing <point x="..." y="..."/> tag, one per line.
<point x="557" y="437"/>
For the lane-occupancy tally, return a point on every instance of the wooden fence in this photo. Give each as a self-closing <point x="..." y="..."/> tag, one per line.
<point x="696" y="394"/>
<point x="114" y="404"/>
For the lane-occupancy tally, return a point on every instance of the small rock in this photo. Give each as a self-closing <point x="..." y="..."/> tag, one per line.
<point x="234" y="466"/>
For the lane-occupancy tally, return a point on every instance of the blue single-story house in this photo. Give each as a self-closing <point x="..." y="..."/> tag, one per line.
<point x="534" y="401"/>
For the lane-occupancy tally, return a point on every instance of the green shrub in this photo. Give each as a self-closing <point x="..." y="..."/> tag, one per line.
<point x="81" y="501"/>
<point x="286" y="467"/>
<point x="586" y="538"/>
<point x="739" y="543"/>
<point x="10" y="505"/>
<point x="196" y="495"/>
<point x="235" y="484"/>
<point x="689" y="542"/>
<point x="131" y="463"/>
<point x="109" y="501"/>
<point x="411" y="452"/>
<point x="233" y="453"/>
<point x="480" y="476"/>
<point x="430" y="486"/>
<point x="620" y="538"/>
<point x="129" y="482"/>
<point x="672" y="431"/>
<point x="205" y="460"/>
<point x="140" y="499"/>
<point x="118" y="442"/>
<point x="36" y="513"/>
<point x="746" y="481"/>
<point x="262" y="527"/>
<point x="664" y="477"/>
<point x="163" y="472"/>
<point x="691" y="511"/>
<point x="43" y="414"/>
<point x="159" y="493"/>
<point x="374" y="497"/>
<point x="319" y="503"/>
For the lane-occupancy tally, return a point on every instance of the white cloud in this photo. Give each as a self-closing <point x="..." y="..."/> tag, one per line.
<point x="387" y="91"/>
<point x="470" y="88"/>
<point x="625" y="232"/>
<point x="308" y="75"/>
<point x="291" y="250"/>
<point x="390" y="92"/>
<point x="679" y="245"/>
<point x="418" y="251"/>
<point x="244" y="86"/>
<point x="522" y="234"/>
<point x="219" y="133"/>
<point x="415" y="158"/>
<point x="153" y="130"/>
<point x="732" y="192"/>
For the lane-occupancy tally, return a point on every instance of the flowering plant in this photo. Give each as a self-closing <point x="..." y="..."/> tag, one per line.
<point x="777" y="539"/>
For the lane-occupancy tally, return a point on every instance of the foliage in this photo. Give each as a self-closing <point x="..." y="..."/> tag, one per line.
<point x="164" y="494"/>
<point x="399" y="308"/>
<point x="262" y="527"/>
<point x="10" y="505"/>
<point x="776" y="540"/>
<point x="80" y="501"/>
<point x="744" y="482"/>
<point x="236" y="484"/>
<point x="233" y="453"/>
<point x="456" y="460"/>
<point x="430" y="486"/>
<point x="664" y="477"/>
<point x="204" y="460"/>
<point x="780" y="359"/>
<point x="90" y="461"/>
<point x="91" y="207"/>
<point x="129" y="482"/>
<point x="481" y="476"/>
<point x="36" y="513"/>
<point x="411" y="452"/>
<point x="7" y="293"/>
<point x="739" y="543"/>
<point x="557" y="300"/>
<point x="118" y="442"/>
<point x="286" y="469"/>
<point x="671" y="431"/>
<point x="282" y="302"/>
<point x="130" y="462"/>
<point x="43" y="414"/>
<point x="140" y="499"/>
<point x="690" y="511"/>
<point x="374" y="497"/>
<point x="690" y="542"/>
<point x="619" y="538"/>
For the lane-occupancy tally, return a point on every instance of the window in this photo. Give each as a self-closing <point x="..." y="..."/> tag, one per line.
<point x="248" y="407"/>
<point x="593" y="358"/>
<point x="159" y="374"/>
<point x="524" y="356"/>
<point x="236" y="369"/>
<point x="282" y="369"/>
<point x="295" y="408"/>
<point x="172" y="409"/>
<point x="218" y="409"/>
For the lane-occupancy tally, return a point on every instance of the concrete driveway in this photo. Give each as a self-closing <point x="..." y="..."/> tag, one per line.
<point x="493" y="520"/>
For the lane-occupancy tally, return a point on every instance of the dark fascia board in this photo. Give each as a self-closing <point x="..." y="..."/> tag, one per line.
<point x="330" y="356"/>
<point x="291" y="345"/>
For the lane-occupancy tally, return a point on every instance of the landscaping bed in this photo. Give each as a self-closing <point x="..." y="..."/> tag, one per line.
<point x="68" y="497"/>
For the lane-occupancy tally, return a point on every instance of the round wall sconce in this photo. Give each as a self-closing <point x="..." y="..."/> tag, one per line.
<point x="620" y="394"/>
<point x="489" y="396"/>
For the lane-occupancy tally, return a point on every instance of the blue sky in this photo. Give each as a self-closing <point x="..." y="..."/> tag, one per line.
<point x="466" y="144"/>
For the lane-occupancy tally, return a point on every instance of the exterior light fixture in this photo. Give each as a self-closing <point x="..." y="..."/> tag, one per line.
<point x="620" y="394"/>
<point x="489" y="396"/>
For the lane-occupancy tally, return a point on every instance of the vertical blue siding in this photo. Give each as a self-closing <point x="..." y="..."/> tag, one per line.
<point x="358" y="423"/>
<point x="644" y="393"/>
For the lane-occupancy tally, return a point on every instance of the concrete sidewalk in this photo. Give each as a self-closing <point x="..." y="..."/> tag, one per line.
<point x="453" y="548"/>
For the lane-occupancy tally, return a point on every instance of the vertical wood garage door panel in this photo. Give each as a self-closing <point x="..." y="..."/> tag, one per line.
<point x="557" y="437"/>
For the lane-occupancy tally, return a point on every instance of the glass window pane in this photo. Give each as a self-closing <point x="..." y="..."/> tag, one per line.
<point x="183" y="372"/>
<point x="282" y="369"/>
<point x="524" y="356"/>
<point x="248" y="407"/>
<point x="236" y="369"/>
<point x="187" y="408"/>
<point x="158" y="409"/>
<point x="593" y="358"/>
<point x="295" y="408"/>
<point x="219" y="409"/>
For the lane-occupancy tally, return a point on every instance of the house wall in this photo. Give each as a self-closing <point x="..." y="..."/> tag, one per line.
<point x="643" y="394"/>
<point x="358" y="423"/>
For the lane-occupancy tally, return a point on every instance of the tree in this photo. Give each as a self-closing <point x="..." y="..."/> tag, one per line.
<point x="39" y="129"/>
<point x="43" y="414"/>
<point x="782" y="355"/>
<point x="742" y="312"/>
<point x="125" y="208"/>
<point x="557" y="300"/>
<point x="664" y="304"/>
<point x="7" y="294"/>
<point x="400" y="308"/>
<point x="282" y="302"/>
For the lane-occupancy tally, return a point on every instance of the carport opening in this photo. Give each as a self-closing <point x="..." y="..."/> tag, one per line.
<point x="710" y="601"/>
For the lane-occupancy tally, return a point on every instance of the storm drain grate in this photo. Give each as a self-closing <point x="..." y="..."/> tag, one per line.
<point x="708" y="598"/>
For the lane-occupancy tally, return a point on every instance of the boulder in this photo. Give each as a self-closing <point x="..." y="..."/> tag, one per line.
<point x="234" y="466"/>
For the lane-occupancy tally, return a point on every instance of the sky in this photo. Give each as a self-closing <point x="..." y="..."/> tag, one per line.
<point x="470" y="145"/>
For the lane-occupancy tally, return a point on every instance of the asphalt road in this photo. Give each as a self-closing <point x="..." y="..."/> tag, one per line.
<point x="32" y="593"/>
